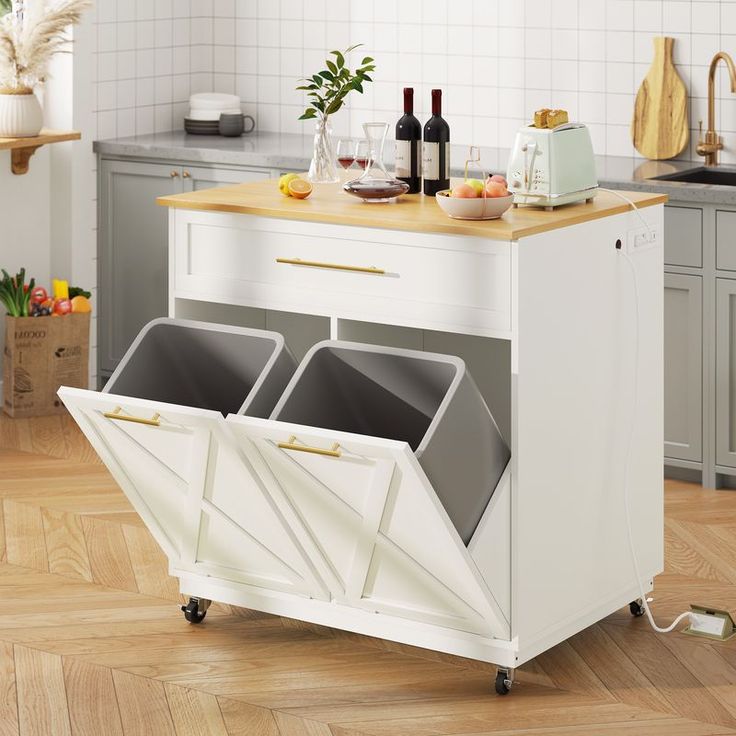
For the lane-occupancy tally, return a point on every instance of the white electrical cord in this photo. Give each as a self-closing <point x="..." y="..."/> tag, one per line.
<point x="630" y="440"/>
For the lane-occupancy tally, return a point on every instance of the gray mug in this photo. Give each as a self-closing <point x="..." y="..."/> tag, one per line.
<point x="233" y="124"/>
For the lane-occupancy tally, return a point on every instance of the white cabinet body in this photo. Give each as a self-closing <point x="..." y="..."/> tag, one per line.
<point x="359" y="541"/>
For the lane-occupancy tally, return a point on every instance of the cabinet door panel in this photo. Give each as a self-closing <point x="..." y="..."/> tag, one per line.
<point x="726" y="240"/>
<point x="726" y="372"/>
<point x="683" y="236"/>
<point x="133" y="258"/>
<point x="683" y="367"/>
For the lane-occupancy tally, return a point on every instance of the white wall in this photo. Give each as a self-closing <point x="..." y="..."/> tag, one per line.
<point x="48" y="216"/>
<point x="24" y="223"/>
<point x="497" y="60"/>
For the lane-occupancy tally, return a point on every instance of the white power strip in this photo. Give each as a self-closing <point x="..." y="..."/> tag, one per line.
<point x="642" y="238"/>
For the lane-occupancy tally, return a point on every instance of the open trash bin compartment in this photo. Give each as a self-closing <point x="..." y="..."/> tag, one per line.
<point x="233" y="370"/>
<point x="427" y="400"/>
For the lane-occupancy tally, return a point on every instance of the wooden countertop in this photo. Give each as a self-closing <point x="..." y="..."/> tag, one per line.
<point x="414" y="212"/>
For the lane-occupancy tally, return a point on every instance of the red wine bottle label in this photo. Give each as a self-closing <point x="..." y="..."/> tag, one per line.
<point x="431" y="160"/>
<point x="403" y="157"/>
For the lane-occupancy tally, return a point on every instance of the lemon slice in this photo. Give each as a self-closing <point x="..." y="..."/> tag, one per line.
<point x="299" y="188"/>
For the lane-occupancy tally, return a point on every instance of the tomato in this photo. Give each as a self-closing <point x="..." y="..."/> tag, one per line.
<point x="39" y="294"/>
<point x="62" y="306"/>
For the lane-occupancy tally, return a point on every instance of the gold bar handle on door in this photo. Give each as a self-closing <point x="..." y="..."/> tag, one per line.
<point x="292" y="444"/>
<point x="333" y="266"/>
<point x="154" y="421"/>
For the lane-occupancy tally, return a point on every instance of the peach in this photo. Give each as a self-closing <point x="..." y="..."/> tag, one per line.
<point x="498" y="178"/>
<point x="496" y="189"/>
<point x="464" y="191"/>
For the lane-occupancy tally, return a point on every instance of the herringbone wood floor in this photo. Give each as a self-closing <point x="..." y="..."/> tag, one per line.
<point x="91" y="642"/>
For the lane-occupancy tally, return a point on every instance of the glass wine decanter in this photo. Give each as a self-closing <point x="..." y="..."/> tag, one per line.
<point x="376" y="184"/>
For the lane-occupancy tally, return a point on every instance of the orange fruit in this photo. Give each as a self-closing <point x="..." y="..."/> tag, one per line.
<point x="299" y="188"/>
<point x="81" y="304"/>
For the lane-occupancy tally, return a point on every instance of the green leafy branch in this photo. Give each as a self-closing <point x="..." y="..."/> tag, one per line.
<point x="328" y="89"/>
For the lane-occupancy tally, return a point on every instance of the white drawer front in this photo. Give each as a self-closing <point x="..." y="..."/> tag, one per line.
<point x="405" y="278"/>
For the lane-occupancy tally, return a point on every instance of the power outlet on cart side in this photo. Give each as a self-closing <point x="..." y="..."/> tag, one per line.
<point x="642" y="239"/>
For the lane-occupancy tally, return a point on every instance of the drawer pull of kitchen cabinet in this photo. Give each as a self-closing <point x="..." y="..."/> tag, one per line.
<point x="333" y="266"/>
<point x="292" y="444"/>
<point x="154" y="421"/>
<point x="186" y="175"/>
<point x="174" y="174"/>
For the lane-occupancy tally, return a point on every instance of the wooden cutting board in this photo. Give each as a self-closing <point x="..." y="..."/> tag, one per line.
<point x="660" y="127"/>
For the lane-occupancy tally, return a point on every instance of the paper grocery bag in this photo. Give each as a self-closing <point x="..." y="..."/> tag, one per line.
<point x="42" y="354"/>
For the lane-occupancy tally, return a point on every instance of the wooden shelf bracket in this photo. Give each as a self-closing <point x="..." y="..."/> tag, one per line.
<point x="20" y="159"/>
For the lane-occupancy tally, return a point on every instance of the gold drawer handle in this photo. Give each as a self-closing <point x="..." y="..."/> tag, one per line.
<point x="333" y="266"/>
<point x="154" y="421"/>
<point x="292" y="444"/>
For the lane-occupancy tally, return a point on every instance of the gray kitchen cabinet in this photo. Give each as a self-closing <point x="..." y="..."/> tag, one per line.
<point x="133" y="244"/>
<point x="683" y="367"/>
<point x="132" y="257"/>
<point x="726" y="372"/>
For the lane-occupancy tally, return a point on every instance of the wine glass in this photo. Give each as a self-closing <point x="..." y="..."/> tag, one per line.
<point x="362" y="153"/>
<point x="345" y="153"/>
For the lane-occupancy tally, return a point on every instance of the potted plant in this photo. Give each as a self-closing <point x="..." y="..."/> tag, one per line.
<point x="327" y="91"/>
<point x="28" y="41"/>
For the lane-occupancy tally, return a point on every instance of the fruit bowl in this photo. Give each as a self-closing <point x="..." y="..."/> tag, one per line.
<point x="476" y="208"/>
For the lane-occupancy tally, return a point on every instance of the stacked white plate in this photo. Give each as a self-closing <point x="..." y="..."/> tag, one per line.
<point x="205" y="109"/>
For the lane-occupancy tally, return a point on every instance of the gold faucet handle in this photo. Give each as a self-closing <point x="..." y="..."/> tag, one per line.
<point x="700" y="131"/>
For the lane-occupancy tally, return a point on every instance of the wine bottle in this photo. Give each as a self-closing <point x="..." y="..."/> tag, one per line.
<point x="436" y="149"/>
<point x="408" y="145"/>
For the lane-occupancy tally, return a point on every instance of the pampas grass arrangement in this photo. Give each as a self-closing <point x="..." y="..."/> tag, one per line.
<point x="28" y="40"/>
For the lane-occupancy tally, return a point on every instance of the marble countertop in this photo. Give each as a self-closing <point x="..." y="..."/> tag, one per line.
<point x="289" y="152"/>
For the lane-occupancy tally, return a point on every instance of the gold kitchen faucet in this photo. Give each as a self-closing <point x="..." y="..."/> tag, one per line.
<point x="711" y="144"/>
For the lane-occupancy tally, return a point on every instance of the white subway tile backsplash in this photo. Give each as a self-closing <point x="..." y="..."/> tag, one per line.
<point x="223" y="32"/>
<point x="619" y="77"/>
<point x="125" y="94"/>
<point x="648" y="15"/>
<point x="675" y="16"/>
<point x="591" y="45"/>
<point x="496" y="62"/>
<point x="565" y="75"/>
<point x="620" y="15"/>
<point x="565" y="44"/>
<point x="538" y="74"/>
<point x="702" y="47"/>
<point x="704" y="17"/>
<point x="565" y="14"/>
<point x="592" y="76"/>
<point x="592" y="14"/>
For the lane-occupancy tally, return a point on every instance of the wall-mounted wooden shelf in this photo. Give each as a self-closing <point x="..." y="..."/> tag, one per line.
<point x="21" y="149"/>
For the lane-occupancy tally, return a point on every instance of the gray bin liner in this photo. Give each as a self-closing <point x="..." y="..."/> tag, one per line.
<point x="428" y="400"/>
<point x="233" y="370"/>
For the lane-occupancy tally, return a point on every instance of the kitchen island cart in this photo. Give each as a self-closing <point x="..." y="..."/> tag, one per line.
<point x="558" y="316"/>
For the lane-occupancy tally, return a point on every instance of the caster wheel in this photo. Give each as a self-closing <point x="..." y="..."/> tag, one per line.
<point x="503" y="682"/>
<point x="194" y="612"/>
<point x="636" y="609"/>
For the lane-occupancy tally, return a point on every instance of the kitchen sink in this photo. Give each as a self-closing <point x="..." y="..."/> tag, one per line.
<point x="703" y="175"/>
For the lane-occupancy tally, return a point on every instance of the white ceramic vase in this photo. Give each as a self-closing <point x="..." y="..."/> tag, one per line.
<point x="21" y="115"/>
